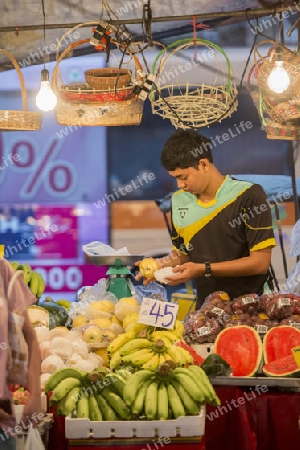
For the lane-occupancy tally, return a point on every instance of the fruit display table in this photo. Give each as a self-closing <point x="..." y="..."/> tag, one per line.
<point x="248" y="420"/>
<point x="258" y="422"/>
<point x="195" y="443"/>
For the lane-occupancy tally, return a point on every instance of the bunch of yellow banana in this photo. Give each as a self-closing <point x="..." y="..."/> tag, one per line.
<point x="148" y="354"/>
<point x="168" y="393"/>
<point x="34" y="280"/>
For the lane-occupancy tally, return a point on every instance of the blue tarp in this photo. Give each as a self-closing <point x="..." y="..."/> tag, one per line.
<point x="277" y="187"/>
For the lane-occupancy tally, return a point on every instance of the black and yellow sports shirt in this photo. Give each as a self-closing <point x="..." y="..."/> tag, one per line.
<point x="238" y="221"/>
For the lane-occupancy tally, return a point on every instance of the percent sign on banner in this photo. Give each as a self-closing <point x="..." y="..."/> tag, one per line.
<point x="42" y="168"/>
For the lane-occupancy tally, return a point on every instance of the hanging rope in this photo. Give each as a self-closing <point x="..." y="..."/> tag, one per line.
<point x="44" y="30"/>
<point x="195" y="26"/>
<point x="147" y="22"/>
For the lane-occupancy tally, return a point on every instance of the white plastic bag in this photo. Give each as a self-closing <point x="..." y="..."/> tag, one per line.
<point x="97" y="248"/>
<point x="34" y="440"/>
<point x="295" y="240"/>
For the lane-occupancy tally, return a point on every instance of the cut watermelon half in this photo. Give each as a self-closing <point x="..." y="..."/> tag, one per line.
<point x="279" y="341"/>
<point x="283" y="367"/>
<point x="241" y="348"/>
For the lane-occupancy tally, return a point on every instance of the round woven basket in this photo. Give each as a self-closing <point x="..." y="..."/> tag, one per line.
<point x="192" y="104"/>
<point x="84" y="93"/>
<point x="107" y="78"/>
<point x="18" y="120"/>
<point x="86" y="106"/>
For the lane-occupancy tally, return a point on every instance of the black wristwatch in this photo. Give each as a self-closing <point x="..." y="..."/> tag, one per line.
<point x="207" y="272"/>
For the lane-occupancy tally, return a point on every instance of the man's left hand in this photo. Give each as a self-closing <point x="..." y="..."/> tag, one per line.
<point x="185" y="272"/>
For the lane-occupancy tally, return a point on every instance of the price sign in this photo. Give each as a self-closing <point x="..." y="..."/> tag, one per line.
<point x="157" y="313"/>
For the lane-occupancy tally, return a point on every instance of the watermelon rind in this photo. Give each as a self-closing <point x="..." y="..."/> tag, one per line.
<point x="282" y="367"/>
<point x="279" y="341"/>
<point x="238" y="346"/>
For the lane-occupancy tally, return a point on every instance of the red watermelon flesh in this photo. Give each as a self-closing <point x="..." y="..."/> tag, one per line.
<point x="283" y="367"/>
<point x="198" y="360"/>
<point x="241" y="348"/>
<point x="279" y="341"/>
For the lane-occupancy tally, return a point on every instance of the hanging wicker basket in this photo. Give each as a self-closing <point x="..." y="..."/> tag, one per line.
<point x="19" y="120"/>
<point x="193" y="105"/>
<point x="81" y="105"/>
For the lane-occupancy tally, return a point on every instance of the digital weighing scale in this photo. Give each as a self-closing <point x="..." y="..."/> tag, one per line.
<point x="119" y="282"/>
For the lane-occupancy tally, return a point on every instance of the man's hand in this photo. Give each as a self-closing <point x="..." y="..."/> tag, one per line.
<point x="171" y="260"/>
<point x="139" y="276"/>
<point x="185" y="272"/>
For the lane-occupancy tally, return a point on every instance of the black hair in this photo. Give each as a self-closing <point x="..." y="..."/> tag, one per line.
<point x="184" y="149"/>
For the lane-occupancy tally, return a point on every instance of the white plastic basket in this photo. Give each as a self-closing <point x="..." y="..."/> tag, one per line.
<point x="186" y="426"/>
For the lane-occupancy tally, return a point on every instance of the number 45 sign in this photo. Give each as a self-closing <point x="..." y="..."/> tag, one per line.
<point x="157" y="313"/>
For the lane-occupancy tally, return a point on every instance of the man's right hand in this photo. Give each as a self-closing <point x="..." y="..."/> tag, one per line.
<point x="139" y="276"/>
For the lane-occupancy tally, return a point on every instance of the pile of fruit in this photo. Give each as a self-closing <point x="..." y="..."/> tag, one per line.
<point x="259" y="312"/>
<point x="167" y="393"/>
<point x="103" y="320"/>
<point x="146" y="347"/>
<point x="20" y="395"/>
<point x="63" y="348"/>
<point x="32" y="279"/>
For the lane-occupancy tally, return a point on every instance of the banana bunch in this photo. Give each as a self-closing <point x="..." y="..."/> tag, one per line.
<point x="34" y="280"/>
<point x="147" y="353"/>
<point x="97" y="395"/>
<point x="169" y="392"/>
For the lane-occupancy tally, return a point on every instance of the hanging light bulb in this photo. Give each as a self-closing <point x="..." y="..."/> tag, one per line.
<point x="45" y="99"/>
<point x="278" y="80"/>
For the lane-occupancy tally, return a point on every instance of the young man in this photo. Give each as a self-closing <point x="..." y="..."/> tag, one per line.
<point x="21" y="298"/>
<point x="221" y="227"/>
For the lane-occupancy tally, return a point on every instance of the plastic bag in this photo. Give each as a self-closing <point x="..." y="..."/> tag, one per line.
<point x="93" y="293"/>
<point x="97" y="248"/>
<point x="200" y="329"/>
<point x="152" y="290"/>
<point x="246" y="304"/>
<point x="34" y="440"/>
<point x="293" y="282"/>
<point x="295" y="240"/>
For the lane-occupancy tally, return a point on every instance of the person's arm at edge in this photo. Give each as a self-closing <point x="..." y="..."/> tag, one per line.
<point x="33" y="407"/>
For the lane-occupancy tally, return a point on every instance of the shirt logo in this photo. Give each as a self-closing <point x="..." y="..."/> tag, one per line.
<point x="182" y="212"/>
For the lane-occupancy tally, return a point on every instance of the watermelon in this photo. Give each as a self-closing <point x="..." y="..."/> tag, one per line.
<point x="198" y="360"/>
<point x="282" y="367"/>
<point x="279" y="341"/>
<point x="58" y="315"/>
<point x="241" y="348"/>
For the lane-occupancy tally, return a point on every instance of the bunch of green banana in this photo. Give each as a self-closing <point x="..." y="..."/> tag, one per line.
<point x="32" y="279"/>
<point x="104" y="400"/>
<point x="169" y="392"/>
<point x="97" y="395"/>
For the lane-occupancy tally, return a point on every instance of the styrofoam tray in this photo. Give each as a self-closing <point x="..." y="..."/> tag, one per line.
<point x="186" y="426"/>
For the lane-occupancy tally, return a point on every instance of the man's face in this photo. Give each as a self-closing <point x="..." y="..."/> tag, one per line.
<point x="193" y="180"/>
